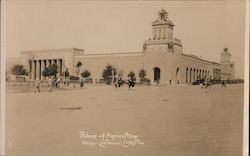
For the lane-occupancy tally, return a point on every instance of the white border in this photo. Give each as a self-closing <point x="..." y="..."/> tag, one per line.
<point x="246" y="85"/>
<point x="3" y="67"/>
<point x="2" y="93"/>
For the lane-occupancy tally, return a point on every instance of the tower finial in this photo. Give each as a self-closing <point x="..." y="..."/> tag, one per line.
<point x="163" y="15"/>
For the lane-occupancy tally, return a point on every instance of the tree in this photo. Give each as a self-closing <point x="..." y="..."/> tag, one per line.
<point x="108" y="73"/>
<point x="19" y="70"/>
<point x="142" y="75"/>
<point x="78" y="67"/>
<point x="131" y="75"/>
<point x="85" y="73"/>
<point x="50" y="70"/>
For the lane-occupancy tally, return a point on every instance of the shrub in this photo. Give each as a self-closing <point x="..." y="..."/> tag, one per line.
<point x="74" y="78"/>
<point x="85" y="73"/>
<point x="132" y="76"/>
<point x="19" y="70"/>
<point x="50" y="70"/>
<point x="108" y="73"/>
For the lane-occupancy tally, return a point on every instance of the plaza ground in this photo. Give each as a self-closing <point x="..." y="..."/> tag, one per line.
<point x="172" y="120"/>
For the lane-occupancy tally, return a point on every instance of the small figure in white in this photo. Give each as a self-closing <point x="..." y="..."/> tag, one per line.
<point x="37" y="85"/>
<point x="50" y="82"/>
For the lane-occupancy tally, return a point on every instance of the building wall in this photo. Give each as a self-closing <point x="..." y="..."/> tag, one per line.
<point x="97" y="63"/>
<point x="163" y="52"/>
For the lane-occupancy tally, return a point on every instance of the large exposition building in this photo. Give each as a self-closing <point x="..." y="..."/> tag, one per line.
<point x="162" y="59"/>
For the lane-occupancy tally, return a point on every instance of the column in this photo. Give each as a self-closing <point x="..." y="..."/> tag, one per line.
<point x="154" y="34"/>
<point x="49" y="62"/>
<point x="37" y="69"/>
<point x="32" y="69"/>
<point x="58" y="65"/>
<point x="193" y="75"/>
<point x="60" y="62"/>
<point x="159" y="33"/>
<point x="42" y="68"/>
<point x="190" y="79"/>
<point x="164" y="32"/>
<point x="152" y="76"/>
<point x="63" y="66"/>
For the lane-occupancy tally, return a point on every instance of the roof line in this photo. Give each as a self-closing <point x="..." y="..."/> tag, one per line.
<point x="200" y="59"/>
<point x="114" y="53"/>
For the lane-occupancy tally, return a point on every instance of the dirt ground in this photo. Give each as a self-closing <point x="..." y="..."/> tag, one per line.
<point x="170" y="120"/>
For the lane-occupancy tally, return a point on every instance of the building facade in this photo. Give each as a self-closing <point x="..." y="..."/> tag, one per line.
<point x="162" y="58"/>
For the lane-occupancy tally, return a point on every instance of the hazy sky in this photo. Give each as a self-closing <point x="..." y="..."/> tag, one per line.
<point x="205" y="28"/>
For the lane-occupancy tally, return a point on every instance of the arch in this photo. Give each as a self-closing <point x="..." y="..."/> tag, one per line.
<point x="178" y="75"/>
<point x="187" y="75"/>
<point x="194" y="75"/>
<point x="197" y="74"/>
<point x="157" y="74"/>
<point x="190" y="79"/>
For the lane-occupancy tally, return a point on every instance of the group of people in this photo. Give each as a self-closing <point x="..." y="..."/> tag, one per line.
<point x="207" y="83"/>
<point x="52" y="81"/>
<point x="119" y="82"/>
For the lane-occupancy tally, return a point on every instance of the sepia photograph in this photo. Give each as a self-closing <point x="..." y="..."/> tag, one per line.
<point x="123" y="78"/>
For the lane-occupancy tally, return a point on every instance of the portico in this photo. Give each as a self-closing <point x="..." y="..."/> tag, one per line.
<point x="36" y="67"/>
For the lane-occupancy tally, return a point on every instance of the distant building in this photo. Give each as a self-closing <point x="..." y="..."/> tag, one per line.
<point x="161" y="57"/>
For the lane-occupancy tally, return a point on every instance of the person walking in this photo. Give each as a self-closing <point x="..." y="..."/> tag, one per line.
<point x="37" y="84"/>
<point x="223" y="84"/>
<point x="50" y="81"/>
<point x="81" y="82"/>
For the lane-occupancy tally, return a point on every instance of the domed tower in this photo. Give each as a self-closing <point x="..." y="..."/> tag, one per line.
<point x="162" y="50"/>
<point x="163" y="35"/>
<point x="225" y="57"/>
<point x="162" y="27"/>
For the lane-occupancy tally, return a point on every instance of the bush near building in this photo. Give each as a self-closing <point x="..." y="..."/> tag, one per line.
<point x="108" y="73"/>
<point x="74" y="78"/>
<point x="85" y="74"/>
<point x="51" y="70"/>
<point x="142" y="75"/>
<point x="132" y="76"/>
<point x="19" y="70"/>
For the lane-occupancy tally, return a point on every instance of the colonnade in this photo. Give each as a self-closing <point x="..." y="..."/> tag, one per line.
<point x="36" y="67"/>
<point x="159" y="32"/>
<point x="193" y="74"/>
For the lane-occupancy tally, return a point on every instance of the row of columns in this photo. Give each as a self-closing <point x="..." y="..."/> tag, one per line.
<point x="193" y="74"/>
<point x="36" y="67"/>
<point x="159" y="32"/>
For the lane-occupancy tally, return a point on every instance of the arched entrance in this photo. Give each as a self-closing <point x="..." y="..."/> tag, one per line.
<point x="190" y="79"/>
<point x="187" y="75"/>
<point x="178" y="75"/>
<point x="157" y="74"/>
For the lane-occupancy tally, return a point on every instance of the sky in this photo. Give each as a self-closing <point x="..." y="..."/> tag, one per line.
<point x="205" y="27"/>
